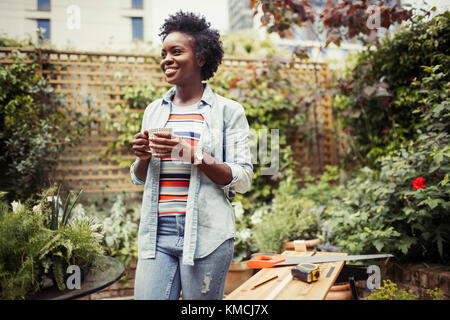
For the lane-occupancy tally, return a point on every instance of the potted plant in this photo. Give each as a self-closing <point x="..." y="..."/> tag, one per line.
<point x="37" y="243"/>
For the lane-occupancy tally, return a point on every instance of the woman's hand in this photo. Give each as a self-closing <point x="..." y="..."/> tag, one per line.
<point x="140" y="145"/>
<point x="171" y="145"/>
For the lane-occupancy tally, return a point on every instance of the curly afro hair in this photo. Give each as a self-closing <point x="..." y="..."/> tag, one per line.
<point x="206" y="44"/>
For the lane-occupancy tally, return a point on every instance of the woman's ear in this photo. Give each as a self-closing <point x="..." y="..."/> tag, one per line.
<point x="201" y="61"/>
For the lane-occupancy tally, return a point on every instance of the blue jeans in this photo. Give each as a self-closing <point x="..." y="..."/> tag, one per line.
<point x="164" y="277"/>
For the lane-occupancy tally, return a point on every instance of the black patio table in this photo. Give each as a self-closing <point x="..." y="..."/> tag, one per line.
<point x="109" y="271"/>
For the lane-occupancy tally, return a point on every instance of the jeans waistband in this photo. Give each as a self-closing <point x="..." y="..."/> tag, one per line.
<point x="171" y="225"/>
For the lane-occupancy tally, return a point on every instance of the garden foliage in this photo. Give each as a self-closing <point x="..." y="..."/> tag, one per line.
<point x="382" y="93"/>
<point x="389" y="291"/>
<point x="33" y="250"/>
<point x="398" y="202"/>
<point x="33" y="132"/>
<point x="120" y="221"/>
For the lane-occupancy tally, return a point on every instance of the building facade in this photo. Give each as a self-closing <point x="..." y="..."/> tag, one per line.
<point x="240" y="15"/>
<point x="85" y="25"/>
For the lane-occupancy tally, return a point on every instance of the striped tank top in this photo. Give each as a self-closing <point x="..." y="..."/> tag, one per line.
<point x="187" y="122"/>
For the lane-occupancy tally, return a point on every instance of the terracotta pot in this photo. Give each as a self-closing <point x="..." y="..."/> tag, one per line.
<point x="340" y="292"/>
<point x="237" y="275"/>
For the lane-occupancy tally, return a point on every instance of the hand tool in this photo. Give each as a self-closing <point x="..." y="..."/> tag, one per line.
<point x="306" y="272"/>
<point x="269" y="260"/>
<point x="285" y="282"/>
<point x="264" y="282"/>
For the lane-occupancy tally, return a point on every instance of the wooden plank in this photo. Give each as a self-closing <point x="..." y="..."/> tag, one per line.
<point x="295" y="289"/>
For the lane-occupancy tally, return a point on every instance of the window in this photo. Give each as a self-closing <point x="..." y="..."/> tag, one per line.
<point x="137" y="4"/>
<point x="137" y="28"/>
<point x="44" y="24"/>
<point x="43" y="5"/>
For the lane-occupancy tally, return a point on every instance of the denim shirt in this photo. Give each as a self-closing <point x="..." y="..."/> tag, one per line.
<point x="209" y="214"/>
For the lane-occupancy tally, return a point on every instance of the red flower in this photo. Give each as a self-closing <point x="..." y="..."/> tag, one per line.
<point x="418" y="183"/>
<point x="348" y="129"/>
<point x="331" y="182"/>
<point x="361" y="100"/>
<point x="423" y="107"/>
<point x="386" y="101"/>
<point x="342" y="144"/>
<point x="384" y="131"/>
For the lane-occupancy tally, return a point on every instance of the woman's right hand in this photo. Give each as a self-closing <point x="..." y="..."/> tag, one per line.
<point x="140" y="145"/>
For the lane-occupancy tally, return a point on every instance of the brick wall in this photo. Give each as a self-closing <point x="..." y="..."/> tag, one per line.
<point x="415" y="277"/>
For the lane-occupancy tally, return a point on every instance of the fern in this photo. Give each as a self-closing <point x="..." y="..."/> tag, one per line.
<point x="34" y="245"/>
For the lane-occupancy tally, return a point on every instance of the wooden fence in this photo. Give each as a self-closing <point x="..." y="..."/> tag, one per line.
<point x="97" y="81"/>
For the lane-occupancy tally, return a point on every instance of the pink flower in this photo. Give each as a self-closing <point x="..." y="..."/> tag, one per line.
<point x="385" y="131"/>
<point x="386" y="101"/>
<point x="418" y="183"/>
<point x="423" y="107"/>
<point x="331" y="182"/>
<point x="348" y="129"/>
<point x="384" y="141"/>
<point x="361" y="100"/>
<point x="342" y="144"/>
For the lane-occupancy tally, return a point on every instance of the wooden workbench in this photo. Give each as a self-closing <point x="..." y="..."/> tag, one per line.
<point x="295" y="289"/>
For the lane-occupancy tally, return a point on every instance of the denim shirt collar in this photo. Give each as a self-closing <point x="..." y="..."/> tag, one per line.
<point x="207" y="98"/>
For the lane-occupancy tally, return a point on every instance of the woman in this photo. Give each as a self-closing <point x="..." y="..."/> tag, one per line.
<point x="186" y="232"/>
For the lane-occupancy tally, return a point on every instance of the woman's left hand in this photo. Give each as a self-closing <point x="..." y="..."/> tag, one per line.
<point x="176" y="147"/>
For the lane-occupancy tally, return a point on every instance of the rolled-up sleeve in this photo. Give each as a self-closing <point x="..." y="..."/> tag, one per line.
<point x="237" y="152"/>
<point x="134" y="178"/>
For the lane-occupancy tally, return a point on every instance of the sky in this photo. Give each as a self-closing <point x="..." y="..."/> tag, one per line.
<point x="215" y="11"/>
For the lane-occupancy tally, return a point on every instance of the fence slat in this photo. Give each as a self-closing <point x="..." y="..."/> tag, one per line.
<point x="100" y="79"/>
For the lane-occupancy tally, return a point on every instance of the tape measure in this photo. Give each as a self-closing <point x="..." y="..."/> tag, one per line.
<point x="306" y="272"/>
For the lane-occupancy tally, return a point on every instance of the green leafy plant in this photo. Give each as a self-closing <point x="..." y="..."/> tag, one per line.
<point x="288" y="217"/>
<point x="120" y="222"/>
<point x="33" y="131"/>
<point x="389" y="291"/>
<point x="243" y="241"/>
<point x="380" y="98"/>
<point x="31" y="251"/>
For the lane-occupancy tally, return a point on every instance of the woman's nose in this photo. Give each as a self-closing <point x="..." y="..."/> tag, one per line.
<point x="167" y="60"/>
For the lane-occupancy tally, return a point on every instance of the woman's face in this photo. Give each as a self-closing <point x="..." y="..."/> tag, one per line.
<point x="179" y="63"/>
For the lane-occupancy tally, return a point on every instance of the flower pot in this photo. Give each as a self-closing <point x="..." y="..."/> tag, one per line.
<point x="340" y="292"/>
<point x="237" y="275"/>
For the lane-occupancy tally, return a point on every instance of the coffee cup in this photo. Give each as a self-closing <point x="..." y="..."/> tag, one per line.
<point x="159" y="130"/>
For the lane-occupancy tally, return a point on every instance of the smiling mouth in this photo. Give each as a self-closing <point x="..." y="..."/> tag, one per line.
<point x="170" y="71"/>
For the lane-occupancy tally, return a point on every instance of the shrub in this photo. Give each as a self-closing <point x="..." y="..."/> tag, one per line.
<point x="33" y="132"/>
<point x="399" y="202"/>
<point x="380" y="123"/>
<point x="288" y="217"/>
<point x="32" y="250"/>
<point x="389" y="291"/>
<point x="120" y="222"/>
